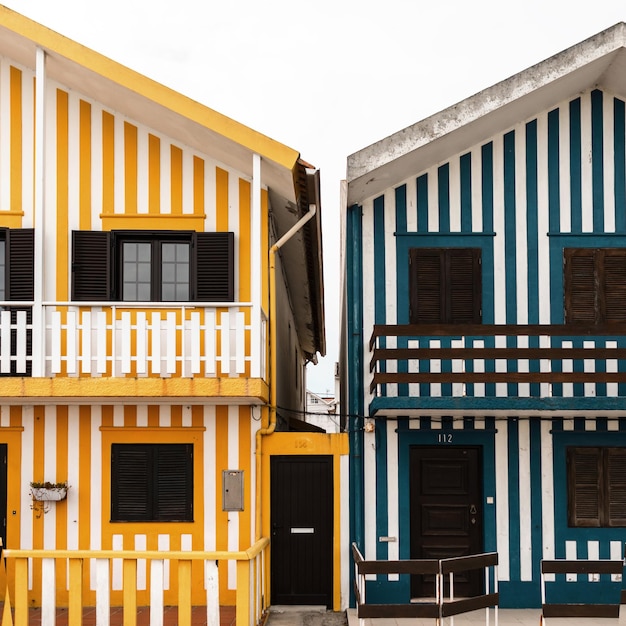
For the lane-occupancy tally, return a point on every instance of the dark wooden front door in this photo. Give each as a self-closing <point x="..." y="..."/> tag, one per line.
<point x="3" y="493"/>
<point x="446" y="512"/>
<point x="302" y="530"/>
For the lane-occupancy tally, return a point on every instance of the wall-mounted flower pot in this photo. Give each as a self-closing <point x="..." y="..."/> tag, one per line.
<point x="44" y="494"/>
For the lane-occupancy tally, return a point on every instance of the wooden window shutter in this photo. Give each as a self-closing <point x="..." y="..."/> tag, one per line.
<point x="214" y="264"/>
<point x="131" y="493"/>
<point x="174" y="484"/>
<point x="21" y="263"/>
<point x="616" y="486"/>
<point x="584" y="467"/>
<point x="464" y="286"/>
<point x="91" y="265"/>
<point x="426" y="277"/>
<point x="613" y="283"/>
<point x="580" y="286"/>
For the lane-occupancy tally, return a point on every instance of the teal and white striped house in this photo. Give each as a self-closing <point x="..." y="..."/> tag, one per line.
<point x="484" y="342"/>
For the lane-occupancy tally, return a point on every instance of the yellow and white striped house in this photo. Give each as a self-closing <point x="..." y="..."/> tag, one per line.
<point x="161" y="293"/>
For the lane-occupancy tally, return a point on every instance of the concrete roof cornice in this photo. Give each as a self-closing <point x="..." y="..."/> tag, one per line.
<point x="597" y="61"/>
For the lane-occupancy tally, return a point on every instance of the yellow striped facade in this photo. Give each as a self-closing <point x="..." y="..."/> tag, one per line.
<point x="105" y="170"/>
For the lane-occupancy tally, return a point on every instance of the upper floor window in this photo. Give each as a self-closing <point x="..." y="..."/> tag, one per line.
<point x="445" y="285"/>
<point x="17" y="263"/>
<point x="596" y="489"/>
<point x="153" y="266"/>
<point x="595" y="285"/>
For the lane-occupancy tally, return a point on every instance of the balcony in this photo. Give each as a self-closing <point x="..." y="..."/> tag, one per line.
<point x="522" y="367"/>
<point x="132" y="340"/>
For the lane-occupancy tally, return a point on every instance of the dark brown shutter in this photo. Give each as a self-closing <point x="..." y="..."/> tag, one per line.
<point x="20" y="244"/>
<point x="91" y="265"/>
<point x="174" y="483"/>
<point x="215" y="276"/>
<point x="426" y="277"/>
<point x="616" y="486"/>
<point x="584" y="486"/>
<point x="131" y="489"/>
<point x="613" y="281"/>
<point x="580" y="286"/>
<point x="464" y="286"/>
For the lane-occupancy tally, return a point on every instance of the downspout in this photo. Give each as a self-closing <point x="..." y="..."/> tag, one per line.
<point x="271" y="427"/>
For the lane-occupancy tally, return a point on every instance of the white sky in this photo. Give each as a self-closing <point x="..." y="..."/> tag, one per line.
<point x="326" y="77"/>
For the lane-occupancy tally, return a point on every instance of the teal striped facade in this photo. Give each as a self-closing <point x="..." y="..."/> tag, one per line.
<point x="552" y="182"/>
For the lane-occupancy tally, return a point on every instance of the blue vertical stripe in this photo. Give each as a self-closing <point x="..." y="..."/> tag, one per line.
<point x="380" y="301"/>
<point x="575" y="148"/>
<point x="422" y="203"/>
<point x="466" y="193"/>
<point x="401" y="261"/>
<point x="619" y="143"/>
<point x="514" y="501"/>
<point x="443" y="187"/>
<point x="487" y="186"/>
<point x="597" y="160"/>
<point x="536" y="505"/>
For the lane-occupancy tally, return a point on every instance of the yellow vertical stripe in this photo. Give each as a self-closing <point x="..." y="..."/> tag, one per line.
<point x="130" y="415"/>
<point x="153" y="415"/>
<point x="107" y="416"/>
<point x="198" y="186"/>
<point x="62" y="451"/>
<point x="130" y="169"/>
<point x="245" y="521"/>
<point x="16" y="140"/>
<point x="154" y="174"/>
<point x="84" y="478"/>
<point x="39" y="457"/>
<point x="244" y="241"/>
<point x="221" y="463"/>
<point x="84" y="165"/>
<point x="177" y="416"/>
<point x="177" y="180"/>
<point x="108" y="163"/>
<point x="221" y="200"/>
<point x="62" y="217"/>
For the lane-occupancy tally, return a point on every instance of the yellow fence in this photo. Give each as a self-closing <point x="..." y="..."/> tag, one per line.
<point x="251" y="594"/>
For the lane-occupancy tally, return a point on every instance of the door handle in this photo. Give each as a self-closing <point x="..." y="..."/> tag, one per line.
<point x="473" y="510"/>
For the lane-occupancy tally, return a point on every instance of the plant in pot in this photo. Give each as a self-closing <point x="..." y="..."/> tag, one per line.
<point x="44" y="492"/>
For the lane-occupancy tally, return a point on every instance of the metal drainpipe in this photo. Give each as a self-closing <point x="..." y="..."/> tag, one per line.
<point x="271" y="427"/>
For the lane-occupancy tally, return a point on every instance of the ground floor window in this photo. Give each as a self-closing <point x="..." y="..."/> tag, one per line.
<point x="596" y="486"/>
<point x="151" y="482"/>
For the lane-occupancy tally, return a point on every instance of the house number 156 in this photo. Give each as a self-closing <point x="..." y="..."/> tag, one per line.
<point x="444" y="438"/>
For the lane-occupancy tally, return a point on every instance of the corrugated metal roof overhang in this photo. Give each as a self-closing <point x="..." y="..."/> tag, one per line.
<point x="599" y="61"/>
<point x="146" y="101"/>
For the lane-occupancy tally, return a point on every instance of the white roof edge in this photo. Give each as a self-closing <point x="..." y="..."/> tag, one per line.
<point x="466" y="111"/>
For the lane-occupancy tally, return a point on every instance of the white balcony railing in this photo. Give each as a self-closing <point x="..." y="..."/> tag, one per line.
<point x="135" y="339"/>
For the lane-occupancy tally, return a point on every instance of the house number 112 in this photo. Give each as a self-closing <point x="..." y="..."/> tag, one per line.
<point x="444" y="438"/>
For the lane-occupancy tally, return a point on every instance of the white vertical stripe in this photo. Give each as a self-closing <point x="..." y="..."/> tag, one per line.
<point x="525" y="513"/>
<point x="141" y="545"/>
<point x="233" y="516"/>
<point x="411" y="205"/>
<point x="117" y="576"/>
<point x="26" y="473"/>
<point x="73" y="474"/>
<point x="209" y="477"/>
<point x="96" y="477"/>
<point x="255" y="425"/>
<point x="521" y="247"/>
<point x="391" y="274"/>
<point x="502" y="500"/>
<point x="433" y="200"/>
<point x="119" y="199"/>
<point x="393" y="524"/>
<point x="593" y="554"/>
<point x="344" y="513"/>
<point x="498" y="226"/>
<point x="5" y="415"/>
<point x="73" y="173"/>
<point x="165" y="415"/>
<point x="369" y="500"/>
<point x="143" y="171"/>
<point x="547" y="491"/>
<point x="163" y="545"/>
<point x="187" y="420"/>
<point x="187" y="182"/>
<point x="50" y="185"/>
<point x="455" y="194"/>
<point x="118" y="415"/>
<point x="209" y="196"/>
<point x="617" y="554"/>
<point x="5" y="133"/>
<point x="586" y="165"/>
<point x="142" y="415"/>
<point x="50" y="472"/>
<point x="233" y="219"/>
<point x="609" y="163"/>
<point x="28" y="142"/>
<point x="571" y="554"/>
<point x="368" y="289"/>
<point x="543" y="218"/>
<point x="564" y="169"/>
<point x="477" y="194"/>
